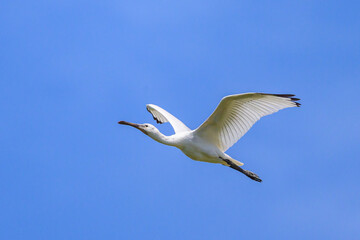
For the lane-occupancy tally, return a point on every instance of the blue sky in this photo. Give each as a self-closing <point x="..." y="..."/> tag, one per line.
<point x="71" y="69"/>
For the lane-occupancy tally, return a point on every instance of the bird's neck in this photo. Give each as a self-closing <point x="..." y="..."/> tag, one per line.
<point x="161" y="138"/>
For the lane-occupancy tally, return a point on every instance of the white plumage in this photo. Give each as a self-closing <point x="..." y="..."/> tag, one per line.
<point x="236" y="114"/>
<point x="162" y="116"/>
<point x="232" y="118"/>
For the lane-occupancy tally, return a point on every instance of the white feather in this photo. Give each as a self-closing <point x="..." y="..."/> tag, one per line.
<point x="236" y="114"/>
<point x="162" y="116"/>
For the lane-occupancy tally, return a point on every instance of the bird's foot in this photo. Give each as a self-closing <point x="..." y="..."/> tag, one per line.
<point x="252" y="175"/>
<point x="249" y="174"/>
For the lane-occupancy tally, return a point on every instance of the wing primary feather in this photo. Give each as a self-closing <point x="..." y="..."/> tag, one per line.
<point x="250" y="113"/>
<point x="247" y="124"/>
<point x="232" y="129"/>
<point x="236" y="114"/>
<point x="227" y="134"/>
<point x="241" y="116"/>
<point x="239" y="122"/>
<point x="289" y="96"/>
<point x="279" y="95"/>
<point x="161" y="116"/>
<point x="258" y="108"/>
<point x="235" y="125"/>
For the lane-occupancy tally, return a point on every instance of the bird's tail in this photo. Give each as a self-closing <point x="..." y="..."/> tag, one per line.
<point x="236" y="162"/>
<point x="230" y="163"/>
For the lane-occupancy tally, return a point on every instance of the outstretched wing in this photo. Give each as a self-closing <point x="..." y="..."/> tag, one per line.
<point x="162" y="116"/>
<point x="235" y="115"/>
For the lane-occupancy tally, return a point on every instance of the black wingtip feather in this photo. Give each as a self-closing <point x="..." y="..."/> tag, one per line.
<point x="291" y="96"/>
<point x="279" y="95"/>
<point x="157" y="121"/>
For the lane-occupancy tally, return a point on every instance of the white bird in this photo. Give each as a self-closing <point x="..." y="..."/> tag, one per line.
<point x="232" y="118"/>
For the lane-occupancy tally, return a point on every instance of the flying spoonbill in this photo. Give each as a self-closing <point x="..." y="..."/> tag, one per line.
<point x="232" y="118"/>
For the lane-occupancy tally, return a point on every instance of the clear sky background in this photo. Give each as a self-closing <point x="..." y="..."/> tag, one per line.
<point x="69" y="70"/>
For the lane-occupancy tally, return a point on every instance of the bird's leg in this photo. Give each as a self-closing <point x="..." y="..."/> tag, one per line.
<point x="251" y="175"/>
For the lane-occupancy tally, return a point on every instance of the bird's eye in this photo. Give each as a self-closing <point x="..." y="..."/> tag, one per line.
<point x="146" y="125"/>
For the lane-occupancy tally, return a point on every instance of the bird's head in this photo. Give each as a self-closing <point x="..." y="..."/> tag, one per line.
<point x="146" y="128"/>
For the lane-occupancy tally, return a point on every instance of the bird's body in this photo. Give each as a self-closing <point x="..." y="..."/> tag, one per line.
<point x="197" y="148"/>
<point x="233" y="117"/>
